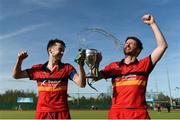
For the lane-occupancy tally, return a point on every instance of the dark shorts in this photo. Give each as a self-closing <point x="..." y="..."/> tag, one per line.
<point x="128" y="114"/>
<point x="53" y="115"/>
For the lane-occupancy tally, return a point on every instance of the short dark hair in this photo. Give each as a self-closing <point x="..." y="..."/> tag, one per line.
<point x="53" y="41"/>
<point x="139" y="43"/>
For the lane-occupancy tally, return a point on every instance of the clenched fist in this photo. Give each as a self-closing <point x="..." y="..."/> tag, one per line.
<point x="22" y="55"/>
<point x="148" y="19"/>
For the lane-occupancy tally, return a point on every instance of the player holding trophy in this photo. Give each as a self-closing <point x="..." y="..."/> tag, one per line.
<point x="130" y="75"/>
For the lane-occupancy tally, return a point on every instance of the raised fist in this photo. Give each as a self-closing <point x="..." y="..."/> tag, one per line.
<point x="22" y="55"/>
<point x="148" y="19"/>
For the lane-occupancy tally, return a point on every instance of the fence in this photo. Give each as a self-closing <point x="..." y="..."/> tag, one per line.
<point x="75" y="101"/>
<point x="80" y="101"/>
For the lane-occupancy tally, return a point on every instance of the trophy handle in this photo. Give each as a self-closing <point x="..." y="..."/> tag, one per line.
<point x="92" y="74"/>
<point x="90" y="84"/>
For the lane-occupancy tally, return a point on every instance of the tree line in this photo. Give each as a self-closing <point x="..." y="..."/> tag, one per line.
<point x="8" y="100"/>
<point x="10" y="96"/>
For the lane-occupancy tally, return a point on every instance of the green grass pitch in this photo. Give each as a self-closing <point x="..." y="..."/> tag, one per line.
<point x="86" y="114"/>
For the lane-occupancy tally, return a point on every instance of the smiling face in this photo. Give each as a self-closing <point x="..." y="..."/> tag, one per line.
<point x="56" y="51"/>
<point x="131" y="48"/>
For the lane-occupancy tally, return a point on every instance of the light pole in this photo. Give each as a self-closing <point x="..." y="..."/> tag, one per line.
<point x="169" y="86"/>
<point x="178" y="99"/>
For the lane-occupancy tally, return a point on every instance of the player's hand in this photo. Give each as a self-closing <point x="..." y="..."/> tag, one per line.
<point x="22" y="55"/>
<point x="148" y="19"/>
<point x="80" y="57"/>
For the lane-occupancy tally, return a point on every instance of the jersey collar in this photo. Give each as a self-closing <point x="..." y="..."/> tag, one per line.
<point x="122" y="62"/>
<point x="44" y="67"/>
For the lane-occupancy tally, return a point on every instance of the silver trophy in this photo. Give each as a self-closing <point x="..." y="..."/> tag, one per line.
<point x="93" y="38"/>
<point x="89" y="56"/>
<point x="91" y="62"/>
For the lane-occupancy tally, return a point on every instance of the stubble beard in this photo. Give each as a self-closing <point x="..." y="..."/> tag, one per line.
<point x="129" y="52"/>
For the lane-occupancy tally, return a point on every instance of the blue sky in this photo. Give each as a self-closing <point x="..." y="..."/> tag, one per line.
<point x="29" y="24"/>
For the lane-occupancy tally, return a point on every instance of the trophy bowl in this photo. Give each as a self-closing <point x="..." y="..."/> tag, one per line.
<point x="91" y="62"/>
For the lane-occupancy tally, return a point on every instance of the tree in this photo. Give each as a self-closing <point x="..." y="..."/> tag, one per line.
<point x="162" y="97"/>
<point x="10" y="96"/>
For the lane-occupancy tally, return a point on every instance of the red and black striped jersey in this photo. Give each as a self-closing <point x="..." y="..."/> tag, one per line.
<point x="52" y="86"/>
<point x="129" y="82"/>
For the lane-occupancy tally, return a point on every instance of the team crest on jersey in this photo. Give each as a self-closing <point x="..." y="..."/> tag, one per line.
<point x="50" y="82"/>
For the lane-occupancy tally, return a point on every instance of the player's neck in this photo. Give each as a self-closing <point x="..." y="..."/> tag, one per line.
<point x="129" y="59"/>
<point x="53" y="63"/>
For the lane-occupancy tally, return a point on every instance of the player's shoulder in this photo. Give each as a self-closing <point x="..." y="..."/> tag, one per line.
<point x="114" y="64"/>
<point x="146" y="58"/>
<point x="37" y="65"/>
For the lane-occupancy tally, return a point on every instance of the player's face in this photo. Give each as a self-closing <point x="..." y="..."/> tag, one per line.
<point x="131" y="48"/>
<point x="57" y="51"/>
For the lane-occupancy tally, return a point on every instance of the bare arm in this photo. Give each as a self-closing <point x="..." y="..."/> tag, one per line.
<point x="160" y="40"/>
<point x="80" y="78"/>
<point x="17" y="72"/>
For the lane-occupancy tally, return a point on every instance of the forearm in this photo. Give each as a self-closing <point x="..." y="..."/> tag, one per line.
<point x="18" y="72"/>
<point x="161" y="44"/>
<point x="160" y="40"/>
<point x="17" y="69"/>
<point x="99" y="77"/>
<point x="82" y="76"/>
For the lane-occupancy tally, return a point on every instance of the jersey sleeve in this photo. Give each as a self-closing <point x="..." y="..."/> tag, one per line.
<point x="108" y="70"/>
<point x="71" y="71"/>
<point x="33" y="72"/>
<point x="147" y="64"/>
